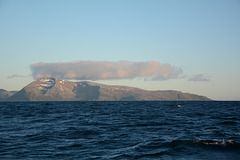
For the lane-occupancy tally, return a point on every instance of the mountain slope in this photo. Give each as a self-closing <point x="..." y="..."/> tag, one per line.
<point x="4" y="94"/>
<point x="59" y="90"/>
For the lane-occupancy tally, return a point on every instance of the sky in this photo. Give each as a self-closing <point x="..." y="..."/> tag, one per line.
<point x="189" y="46"/>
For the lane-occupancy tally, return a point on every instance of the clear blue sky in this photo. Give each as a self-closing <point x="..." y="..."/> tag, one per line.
<point x="200" y="37"/>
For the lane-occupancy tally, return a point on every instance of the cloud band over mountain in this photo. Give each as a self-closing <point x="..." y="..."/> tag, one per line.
<point x="105" y="70"/>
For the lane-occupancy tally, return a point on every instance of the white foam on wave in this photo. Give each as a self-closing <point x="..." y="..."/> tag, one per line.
<point x="215" y="142"/>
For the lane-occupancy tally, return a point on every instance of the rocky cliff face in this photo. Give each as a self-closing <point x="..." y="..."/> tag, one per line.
<point x="59" y="90"/>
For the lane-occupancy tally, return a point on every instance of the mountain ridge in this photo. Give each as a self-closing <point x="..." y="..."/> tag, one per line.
<point x="4" y="94"/>
<point x="51" y="89"/>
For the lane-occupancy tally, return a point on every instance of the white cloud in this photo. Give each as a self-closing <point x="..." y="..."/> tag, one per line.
<point x="105" y="70"/>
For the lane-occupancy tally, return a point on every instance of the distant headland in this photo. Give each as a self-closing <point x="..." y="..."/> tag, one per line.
<point x="51" y="89"/>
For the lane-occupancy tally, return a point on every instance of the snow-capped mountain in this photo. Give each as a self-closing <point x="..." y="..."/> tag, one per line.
<point x="51" y="89"/>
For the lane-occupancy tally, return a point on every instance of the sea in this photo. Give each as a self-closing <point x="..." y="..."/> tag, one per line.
<point x="120" y="130"/>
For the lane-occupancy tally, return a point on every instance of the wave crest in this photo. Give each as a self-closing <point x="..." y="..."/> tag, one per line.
<point x="214" y="142"/>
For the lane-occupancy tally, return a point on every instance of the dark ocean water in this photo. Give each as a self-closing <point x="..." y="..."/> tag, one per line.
<point x="120" y="130"/>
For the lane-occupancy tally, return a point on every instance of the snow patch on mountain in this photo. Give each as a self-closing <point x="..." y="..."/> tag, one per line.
<point x="46" y="84"/>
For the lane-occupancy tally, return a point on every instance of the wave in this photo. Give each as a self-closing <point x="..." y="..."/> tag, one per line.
<point x="213" y="142"/>
<point x="189" y="149"/>
<point x="116" y="130"/>
<point x="195" y="142"/>
<point x="207" y="143"/>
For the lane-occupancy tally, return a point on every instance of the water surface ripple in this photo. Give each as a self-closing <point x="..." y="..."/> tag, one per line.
<point x="119" y="130"/>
